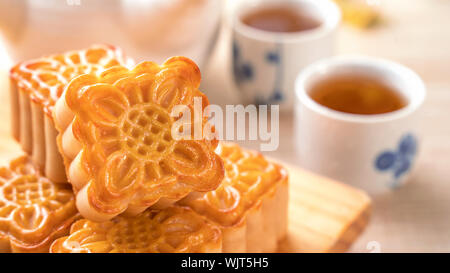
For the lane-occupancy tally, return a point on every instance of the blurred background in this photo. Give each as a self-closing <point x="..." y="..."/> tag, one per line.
<point x="412" y="32"/>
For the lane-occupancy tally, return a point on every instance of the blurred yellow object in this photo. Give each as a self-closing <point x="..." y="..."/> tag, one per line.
<point x="359" y="13"/>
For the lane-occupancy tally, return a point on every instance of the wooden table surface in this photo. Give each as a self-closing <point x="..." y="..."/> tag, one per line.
<point x="415" y="33"/>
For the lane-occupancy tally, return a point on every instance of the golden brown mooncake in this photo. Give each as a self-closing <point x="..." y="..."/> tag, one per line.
<point x="34" y="211"/>
<point x="116" y="140"/>
<point x="250" y="205"/>
<point x="172" y="230"/>
<point x="35" y="87"/>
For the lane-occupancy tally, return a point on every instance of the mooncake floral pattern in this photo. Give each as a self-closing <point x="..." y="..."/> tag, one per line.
<point x="172" y="230"/>
<point x="45" y="78"/>
<point x="123" y="121"/>
<point x="33" y="209"/>
<point x="248" y="176"/>
<point x="398" y="161"/>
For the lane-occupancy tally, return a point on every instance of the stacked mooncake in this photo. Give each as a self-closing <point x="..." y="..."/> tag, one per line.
<point x="103" y="163"/>
<point x="36" y="85"/>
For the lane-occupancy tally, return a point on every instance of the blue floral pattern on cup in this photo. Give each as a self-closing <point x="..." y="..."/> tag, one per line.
<point x="274" y="57"/>
<point x="244" y="72"/>
<point x="398" y="161"/>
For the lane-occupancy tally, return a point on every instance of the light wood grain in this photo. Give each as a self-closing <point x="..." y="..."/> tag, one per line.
<point x="324" y="216"/>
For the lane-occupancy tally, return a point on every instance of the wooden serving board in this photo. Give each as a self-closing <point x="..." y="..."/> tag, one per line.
<point x="324" y="215"/>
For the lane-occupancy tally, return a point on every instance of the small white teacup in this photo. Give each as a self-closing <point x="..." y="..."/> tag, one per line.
<point x="373" y="152"/>
<point x="265" y="63"/>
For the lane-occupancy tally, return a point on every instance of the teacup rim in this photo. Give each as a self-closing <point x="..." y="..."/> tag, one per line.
<point x="330" y="22"/>
<point x="389" y="66"/>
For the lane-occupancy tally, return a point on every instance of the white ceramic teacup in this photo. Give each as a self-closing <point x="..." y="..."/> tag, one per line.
<point x="373" y="152"/>
<point x="265" y="64"/>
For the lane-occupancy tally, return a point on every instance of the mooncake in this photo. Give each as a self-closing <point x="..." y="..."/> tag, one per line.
<point x="172" y="230"/>
<point x="34" y="211"/>
<point x="35" y="87"/>
<point x="115" y="135"/>
<point x="250" y="205"/>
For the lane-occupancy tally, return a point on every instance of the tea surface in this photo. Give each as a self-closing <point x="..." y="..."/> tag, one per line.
<point x="283" y="18"/>
<point x="357" y="95"/>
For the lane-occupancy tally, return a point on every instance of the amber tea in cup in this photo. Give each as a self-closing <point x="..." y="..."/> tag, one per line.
<point x="280" y="18"/>
<point x="373" y="139"/>
<point x="357" y="95"/>
<point x="272" y="40"/>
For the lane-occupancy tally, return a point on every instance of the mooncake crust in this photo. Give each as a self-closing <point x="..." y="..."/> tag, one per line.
<point x="172" y="230"/>
<point x="250" y="204"/>
<point x="34" y="211"/>
<point x="44" y="79"/>
<point x="36" y="85"/>
<point x="117" y="144"/>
